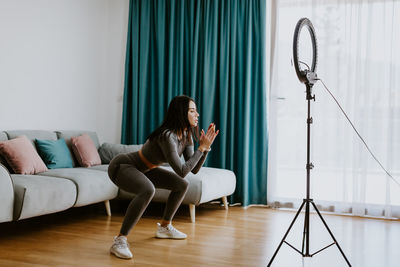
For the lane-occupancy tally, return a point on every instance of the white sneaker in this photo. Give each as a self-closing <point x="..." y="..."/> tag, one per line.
<point x="169" y="232"/>
<point x="120" y="248"/>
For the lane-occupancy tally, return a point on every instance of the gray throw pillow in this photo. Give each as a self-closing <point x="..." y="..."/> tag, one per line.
<point x="108" y="151"/>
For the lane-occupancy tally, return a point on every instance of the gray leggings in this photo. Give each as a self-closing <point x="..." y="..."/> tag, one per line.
<point x="135" y="178"/>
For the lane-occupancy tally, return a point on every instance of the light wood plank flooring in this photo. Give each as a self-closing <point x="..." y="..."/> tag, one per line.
<point x="234" y="237"/>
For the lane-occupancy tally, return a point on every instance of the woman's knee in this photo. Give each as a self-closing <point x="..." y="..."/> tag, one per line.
<point x="148" y="192"/>
<point x="112" y="170"/>
<point x="183" y="185"/>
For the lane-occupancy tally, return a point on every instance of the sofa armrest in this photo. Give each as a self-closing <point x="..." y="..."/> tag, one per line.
<point x="19" y="200"/>
<point x="6" y="195"/>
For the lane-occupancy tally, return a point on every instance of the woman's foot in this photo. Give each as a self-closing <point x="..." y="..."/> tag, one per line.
<point x="169" y="232"/>
<point x="120" y="248"/>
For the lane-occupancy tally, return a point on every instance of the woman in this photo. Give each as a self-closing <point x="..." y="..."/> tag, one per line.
<point x="138" y="172"/>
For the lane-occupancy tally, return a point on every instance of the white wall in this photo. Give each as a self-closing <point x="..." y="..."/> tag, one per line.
<point x="62" y="65"/>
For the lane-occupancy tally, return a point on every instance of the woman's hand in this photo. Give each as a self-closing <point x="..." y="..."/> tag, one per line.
<point x="206" y="139"/>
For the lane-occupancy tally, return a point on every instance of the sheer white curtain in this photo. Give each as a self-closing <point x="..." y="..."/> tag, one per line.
<point x="359" y="61"/>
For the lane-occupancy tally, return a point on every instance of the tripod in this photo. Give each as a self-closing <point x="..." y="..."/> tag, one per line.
<point x="305" y="251"/>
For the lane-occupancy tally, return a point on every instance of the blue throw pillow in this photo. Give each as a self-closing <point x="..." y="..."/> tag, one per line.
<point x="54" y="153"/>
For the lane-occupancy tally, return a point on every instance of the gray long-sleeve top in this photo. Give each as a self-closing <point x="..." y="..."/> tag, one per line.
<point x="169" y="149"/>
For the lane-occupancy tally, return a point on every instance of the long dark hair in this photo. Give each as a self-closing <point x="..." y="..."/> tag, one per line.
<point x="176" y="120"/>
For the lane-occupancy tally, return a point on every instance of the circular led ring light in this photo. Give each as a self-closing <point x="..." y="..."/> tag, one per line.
<point x="302" y="74"/>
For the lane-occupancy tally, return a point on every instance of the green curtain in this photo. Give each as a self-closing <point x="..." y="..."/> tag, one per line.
<point x="213" y="51"/>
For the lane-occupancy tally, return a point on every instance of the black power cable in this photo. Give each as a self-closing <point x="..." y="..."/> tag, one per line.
<point x="358" y="134"/>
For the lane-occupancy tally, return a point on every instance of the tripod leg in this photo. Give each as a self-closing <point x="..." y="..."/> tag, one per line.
<point x="306" y="234"/>
<point x="329" y="231"/>
<point x="287" y="232"/>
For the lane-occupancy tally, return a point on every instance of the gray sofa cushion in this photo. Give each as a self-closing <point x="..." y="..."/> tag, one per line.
<point x="103" y="167"/>
<point x="93" y="185"/>
<point x="108" y="151"/>
<point x="38" y="195"/>
<point x="66" y="135"/>
<point x="208" y="184"/>
<point x="6" y="196"/>
<point x="32" y="135"/>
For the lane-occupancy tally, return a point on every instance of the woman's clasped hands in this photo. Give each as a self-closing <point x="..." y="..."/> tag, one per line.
<point x="206" y="139"/>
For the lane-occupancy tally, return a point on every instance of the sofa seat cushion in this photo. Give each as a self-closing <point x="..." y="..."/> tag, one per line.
<point x="93" y="185"/>
<point x="38" y="195"/>
<point x="208" y="184"/>
<point x="103" y="167"/>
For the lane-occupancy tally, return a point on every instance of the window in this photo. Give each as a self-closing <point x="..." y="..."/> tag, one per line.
<point x="359" y="61"/>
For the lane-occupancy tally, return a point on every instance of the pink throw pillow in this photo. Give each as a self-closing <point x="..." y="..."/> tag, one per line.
<point x="22" y="156"/>
<point x="85" y="151"/>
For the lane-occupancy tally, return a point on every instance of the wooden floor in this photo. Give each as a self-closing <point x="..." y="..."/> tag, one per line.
<point x="237" y="237"/>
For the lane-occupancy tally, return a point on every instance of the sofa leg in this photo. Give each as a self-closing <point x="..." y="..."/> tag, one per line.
<point x="225" y="201"/>
<point x="108" y="209"/>
<point x="192" y="209"/>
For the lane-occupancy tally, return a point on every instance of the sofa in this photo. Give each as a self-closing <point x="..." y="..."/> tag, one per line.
<point x="28" y="195"/>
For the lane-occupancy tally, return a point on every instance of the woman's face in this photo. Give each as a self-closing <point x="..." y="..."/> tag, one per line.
<point x="193" y="116"/>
